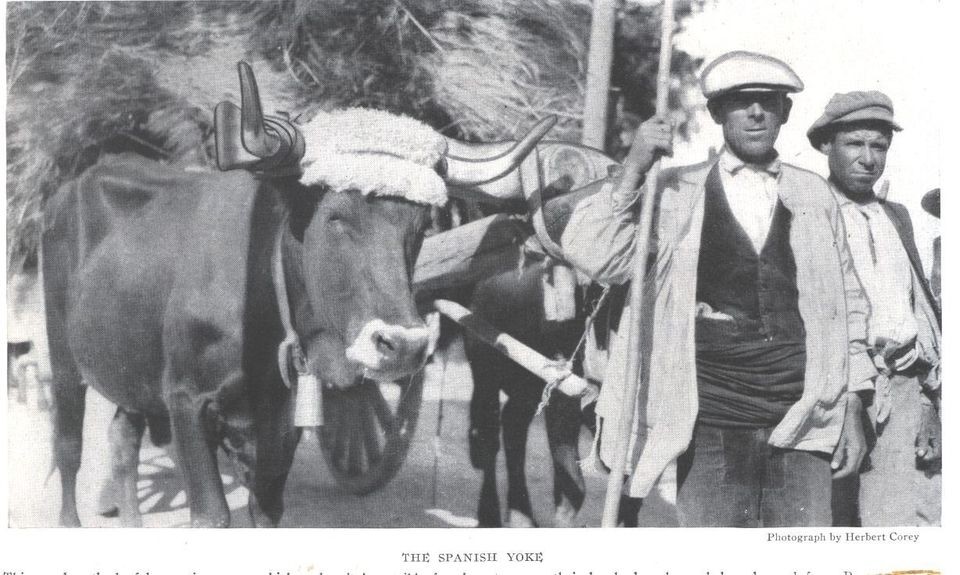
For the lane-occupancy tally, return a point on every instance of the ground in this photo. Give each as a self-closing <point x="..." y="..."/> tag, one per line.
<point x="435" y="487"/>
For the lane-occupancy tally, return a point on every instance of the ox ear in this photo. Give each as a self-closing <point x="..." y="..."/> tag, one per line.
<point x="301" y="204"/>
<point x="248" y="140"/>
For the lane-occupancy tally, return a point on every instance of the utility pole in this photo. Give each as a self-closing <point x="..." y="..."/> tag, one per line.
<point x="599" y="63"/>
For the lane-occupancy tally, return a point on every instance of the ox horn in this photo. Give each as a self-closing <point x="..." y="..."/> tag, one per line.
<point x="471" y="171"/>
<point x="246" y="139"/>
<point x="256" y="139"/>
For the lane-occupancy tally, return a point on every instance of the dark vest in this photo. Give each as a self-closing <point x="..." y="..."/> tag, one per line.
<point x="749" y="369"/>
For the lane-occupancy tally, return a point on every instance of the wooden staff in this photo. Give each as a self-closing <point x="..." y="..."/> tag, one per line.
<point x="629" y="181"/>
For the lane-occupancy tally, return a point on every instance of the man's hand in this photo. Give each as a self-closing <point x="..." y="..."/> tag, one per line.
<point x="886" y="347"/>
<point x="852" y="448"/>
<point x="654" y="138"/>
<point x="929" y="442"/>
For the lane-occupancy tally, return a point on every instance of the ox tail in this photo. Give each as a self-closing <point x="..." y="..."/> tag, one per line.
<point x="159" y="426"/>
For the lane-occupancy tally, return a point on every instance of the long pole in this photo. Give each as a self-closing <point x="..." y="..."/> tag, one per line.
<point x="629" y="181"/>
<point x="600" y="59"/>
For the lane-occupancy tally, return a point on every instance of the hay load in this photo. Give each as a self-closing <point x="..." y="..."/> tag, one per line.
<point x="92" y="78"/>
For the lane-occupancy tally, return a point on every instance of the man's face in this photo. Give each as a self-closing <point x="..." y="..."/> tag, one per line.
<point x="857" y="157"/>
<point x="751" y="122"/>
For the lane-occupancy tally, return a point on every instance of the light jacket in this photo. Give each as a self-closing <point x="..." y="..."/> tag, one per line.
<point x="599" y="239"/>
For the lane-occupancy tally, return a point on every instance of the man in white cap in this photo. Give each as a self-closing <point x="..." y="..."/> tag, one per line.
<point x="750" y="342"/>
<point x="900" y="483"/>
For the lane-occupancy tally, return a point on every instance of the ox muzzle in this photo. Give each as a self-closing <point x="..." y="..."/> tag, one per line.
<point x="388" y="352"/>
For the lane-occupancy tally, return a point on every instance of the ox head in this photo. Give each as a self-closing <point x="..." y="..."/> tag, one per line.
<point x="357" y="213"/>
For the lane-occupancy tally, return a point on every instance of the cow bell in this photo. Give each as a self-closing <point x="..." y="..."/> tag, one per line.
<point x="248" y="140"/>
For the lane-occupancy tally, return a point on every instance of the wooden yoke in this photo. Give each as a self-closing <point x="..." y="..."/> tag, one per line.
<point x="557" y="169"/>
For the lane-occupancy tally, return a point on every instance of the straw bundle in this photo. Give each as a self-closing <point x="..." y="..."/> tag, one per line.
<point x="84" y="79"/>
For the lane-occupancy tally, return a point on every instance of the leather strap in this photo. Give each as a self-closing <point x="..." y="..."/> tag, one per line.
<point x="290" y="346"/>
<point x="308" y="403"/>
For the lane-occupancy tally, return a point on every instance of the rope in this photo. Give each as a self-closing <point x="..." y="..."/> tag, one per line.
<point x="564" y="368"/>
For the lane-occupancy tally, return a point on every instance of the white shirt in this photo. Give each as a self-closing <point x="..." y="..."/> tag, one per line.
<point x="751" y="193"/>
<point x="883" y="267"/>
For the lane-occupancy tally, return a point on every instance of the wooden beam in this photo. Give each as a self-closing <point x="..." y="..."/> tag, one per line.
<point x="470" y="253"/>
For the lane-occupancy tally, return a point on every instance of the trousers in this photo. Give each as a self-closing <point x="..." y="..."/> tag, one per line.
<point x="731" y="477"/>
<point x="894" y="492"/>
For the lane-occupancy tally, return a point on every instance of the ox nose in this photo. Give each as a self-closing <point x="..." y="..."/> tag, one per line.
<point x="389" y="345"/>
<point x="390" y="351"/>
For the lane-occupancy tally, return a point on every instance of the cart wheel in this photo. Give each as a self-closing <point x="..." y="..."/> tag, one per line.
<point x="367" y="431"/>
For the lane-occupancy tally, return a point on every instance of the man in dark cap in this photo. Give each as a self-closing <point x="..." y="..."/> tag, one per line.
<point x="750" y="342"/>
<point x="900" y="484"/>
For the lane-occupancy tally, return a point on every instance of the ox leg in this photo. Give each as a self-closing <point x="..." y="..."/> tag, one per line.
<point x="563" y="432"/>
<point x="277" y="440"/>
<point x="69" y="398"/>
<point x="484" y="438"/>
<point x="517" y="415"/>
<point x="126" y="434"/>
<point x="197" y="457"/>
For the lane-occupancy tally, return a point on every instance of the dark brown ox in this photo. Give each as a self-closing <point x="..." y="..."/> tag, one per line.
<point x="514" y="303"/>
<point x="160" y="296"/>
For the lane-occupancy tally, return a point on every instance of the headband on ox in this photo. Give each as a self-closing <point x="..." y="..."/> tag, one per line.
<point x="374" y="152"/>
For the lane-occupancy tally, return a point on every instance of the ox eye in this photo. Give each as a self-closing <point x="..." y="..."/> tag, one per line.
<point x="339" y="223"/>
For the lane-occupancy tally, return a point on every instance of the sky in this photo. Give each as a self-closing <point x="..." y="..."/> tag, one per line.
<point x="839" y="46"/>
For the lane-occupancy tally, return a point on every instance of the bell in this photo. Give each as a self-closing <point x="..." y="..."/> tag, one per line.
<point x="308" y="407"/>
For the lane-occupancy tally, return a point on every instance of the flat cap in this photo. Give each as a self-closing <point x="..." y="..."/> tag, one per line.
<point x="853" y="107"/>
<point x="748" y="71"/>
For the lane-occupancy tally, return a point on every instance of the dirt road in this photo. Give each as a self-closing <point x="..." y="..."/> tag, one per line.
<point x="435" y="487"/>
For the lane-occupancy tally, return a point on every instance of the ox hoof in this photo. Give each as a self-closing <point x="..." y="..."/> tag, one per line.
<point x="107" y="502"/>
<point x="518" y="519"/>
<point x="69" y="520"/>
<point x="108" y="511"/>
<point x="565" y="515"/>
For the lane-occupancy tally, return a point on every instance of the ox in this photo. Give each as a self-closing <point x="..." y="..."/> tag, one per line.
<point x="160" y="291"/>
<point x="553" y="179"/>
<point x="514" y="303"/>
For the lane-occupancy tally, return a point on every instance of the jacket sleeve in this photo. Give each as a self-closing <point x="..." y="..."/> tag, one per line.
<point x="861" y="369"/>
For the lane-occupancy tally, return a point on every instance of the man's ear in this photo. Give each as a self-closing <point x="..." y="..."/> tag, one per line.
<point x="715" y="107"/>
<point x="787" y="106"/>
<point x="825" y="146"/>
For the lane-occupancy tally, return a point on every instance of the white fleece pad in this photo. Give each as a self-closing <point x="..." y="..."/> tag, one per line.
<point x="374" y="152"/>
